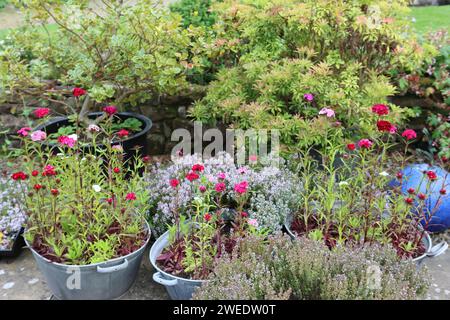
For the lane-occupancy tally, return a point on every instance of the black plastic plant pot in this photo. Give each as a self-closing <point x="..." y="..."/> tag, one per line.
<point x="135" y="144"/>
<point x="16" y="248"/>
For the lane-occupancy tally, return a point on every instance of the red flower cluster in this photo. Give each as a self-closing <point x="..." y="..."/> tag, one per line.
<point x="54" y="192"/>
<point x="131" y="196"/>
<point x="116" y="170"/>
<point x="421" y="196"/>
<point x="110" y="110"/>
<point x="191" y="176"/>
<point x="202" y="189"/>
<point x="207" y="216"/>
<point x="198" y="167"/>
<point x="78" y="92"/>
<point x="49" y="171"/>
<point x="220" y="187"/>
<point x="123" y="133"/>
<point x="431" y="175"/>
<point x="409" y="134"/>
<point x="41" y="112"/>
<point x="34" y="173"/>
<point x="386" y="126"/>
<point x="351" y="146"/>
<point x="19" y="176"/>
<point x="380" y="109"/>
<point x="37" y="186"/>
<point x="174" y="183"/>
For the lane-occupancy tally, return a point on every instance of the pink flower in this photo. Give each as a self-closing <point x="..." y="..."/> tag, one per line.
<point x="241" y="187"/>
<point x="93" y="128"/>
<point x="220" y="187"/>
<point x="24" y="131"/>
<point x="308" y="97"/>
<point x="38" y="135"/>
<point x="253" y="222"/>
<point x="49" y="170"/>
<point x="66" y="141"/>
<point x="207" y="216"/>
<point x="242" y="170"/>
<point x="174" y="183"/>
<point x="380" y="109"/>
<point x="221" y="176"/>
<point x="123" y="133"/>
<point x="117" y="147"/>
<point x="409" y="134"/>
<point x="41" y="112"/>
<point x="253" y="158"/>
<point x="78" y="92"/>
<point x="110" y="110"/>
<point x="365" y="143"/>
<point x="202" y="189"/>
<point x="131" y="196"/>
<point x="327" y="111"/>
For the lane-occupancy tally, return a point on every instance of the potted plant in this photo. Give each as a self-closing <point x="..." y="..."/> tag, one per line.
<point x="12" y="214"/>
<point x="210" y="206"/>
<point x="127" y="129"/>
<point x="357" y="203"/>
<point x="86" y="225"/>
<point x="279" y="269"/>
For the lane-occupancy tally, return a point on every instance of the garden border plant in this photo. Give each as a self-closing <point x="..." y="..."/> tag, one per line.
<point x="86" y="212"/>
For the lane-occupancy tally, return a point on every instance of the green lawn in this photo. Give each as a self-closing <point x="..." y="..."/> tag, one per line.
<point x="431" y="18"/>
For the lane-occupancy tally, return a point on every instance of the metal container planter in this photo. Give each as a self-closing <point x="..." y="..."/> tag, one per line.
<point x="99" y="281"/>
<point x="431" y="251"/>
<point x="178" y="288"/>
<point x="16" y="247"/>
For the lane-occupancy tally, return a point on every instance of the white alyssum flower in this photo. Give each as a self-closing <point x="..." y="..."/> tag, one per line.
<point x="73" y="136"/>
<point x="93" y="128"/>
<point x="97" y="188"/>
<point x="384" y="174"/>
<point x="343" y="183"/>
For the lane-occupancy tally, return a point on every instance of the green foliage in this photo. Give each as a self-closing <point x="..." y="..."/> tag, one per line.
<point x="307" y="270"/>
<point x="274" y="52"/>
<point x="123" y="53"/>
<point x="3" y="3"/>
<point x="195" y="12"/>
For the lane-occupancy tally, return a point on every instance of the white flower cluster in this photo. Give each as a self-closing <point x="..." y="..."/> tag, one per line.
<point x="12" y="217"/>
<point x="274" y="191"/>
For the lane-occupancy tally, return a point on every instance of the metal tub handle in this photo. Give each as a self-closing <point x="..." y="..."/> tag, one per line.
<point x="118" y="267"/>
<point x="158" y="279"/>
<point x="438" y="249"/>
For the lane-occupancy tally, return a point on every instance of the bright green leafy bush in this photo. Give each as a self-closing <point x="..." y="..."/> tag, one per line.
<point x="122" y="53"/>
<point x="195" y="12"/>
<point x="278" y="51"/>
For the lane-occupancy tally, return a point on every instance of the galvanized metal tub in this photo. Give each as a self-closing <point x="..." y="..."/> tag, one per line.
<point x="178" y="288"/>
<point x="99" y="281"/>
<point x="431" y="251"/>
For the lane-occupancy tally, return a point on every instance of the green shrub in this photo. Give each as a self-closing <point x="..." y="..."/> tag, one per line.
<point x="122" y="53"/>
<point x="307" y="270"/>
<point x="195" y="12"/>
<point x="3" y="3"/>
<point x="277" y="51"/>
